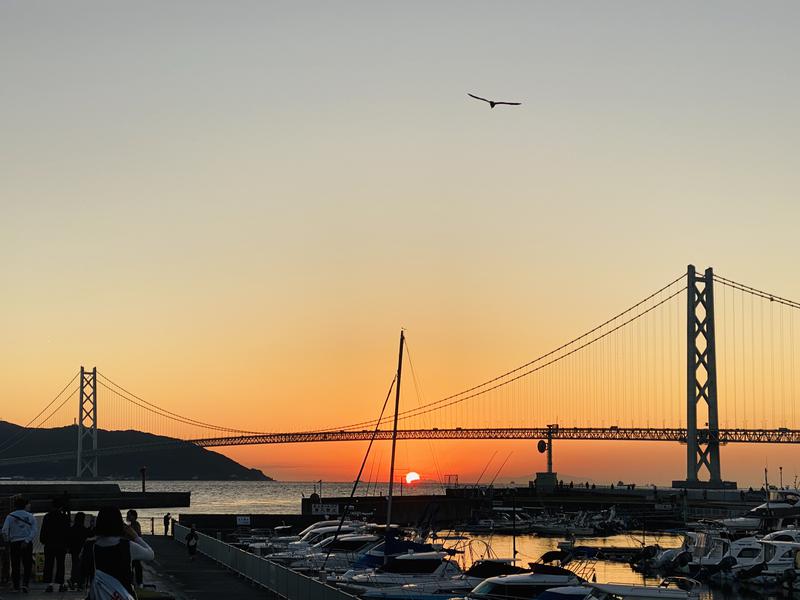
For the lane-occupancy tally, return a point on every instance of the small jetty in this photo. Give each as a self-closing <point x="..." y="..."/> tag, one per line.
<point x="87" y="496"/>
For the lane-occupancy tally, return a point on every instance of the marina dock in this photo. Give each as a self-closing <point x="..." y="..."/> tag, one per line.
<point x="198" y="579"/>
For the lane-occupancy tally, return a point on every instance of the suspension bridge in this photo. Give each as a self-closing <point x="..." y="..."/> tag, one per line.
<point x="702" y="361"/>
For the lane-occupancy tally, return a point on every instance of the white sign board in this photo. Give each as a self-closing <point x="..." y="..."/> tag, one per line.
<point x="324" y="509"/>
<point x="244" y="520"/>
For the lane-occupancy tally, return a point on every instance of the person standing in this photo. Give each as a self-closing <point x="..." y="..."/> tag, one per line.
<point x="191" y="542"/>
<point x="167" y="518"/>
<point x="5" y="563"/>
<point x="55" y="538"/>
<point x="115" y="546"/>
<point x="19" y="529"/>
<point x="78" y="534"/>
<point x="138" y="575"/>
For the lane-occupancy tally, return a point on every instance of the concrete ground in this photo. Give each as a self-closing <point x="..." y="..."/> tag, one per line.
<point x="171" y="575"/>
<point x="198" y="579"/>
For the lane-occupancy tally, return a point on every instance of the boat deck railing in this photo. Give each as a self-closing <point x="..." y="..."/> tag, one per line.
<point x="276" y="578"/>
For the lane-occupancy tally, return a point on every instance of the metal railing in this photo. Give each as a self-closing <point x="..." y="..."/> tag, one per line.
<point x="276" y="578"/>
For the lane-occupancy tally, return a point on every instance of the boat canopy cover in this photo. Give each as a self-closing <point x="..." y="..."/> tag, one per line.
<point x="491" y="568"/>
<point x="541" y="569"/>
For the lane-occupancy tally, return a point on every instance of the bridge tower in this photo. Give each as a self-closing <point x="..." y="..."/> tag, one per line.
<point x="87" y="424"/>
<point x="702" y="444"/>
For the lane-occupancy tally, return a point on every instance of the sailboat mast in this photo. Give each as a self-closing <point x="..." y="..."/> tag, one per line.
<point x="394" y="431"/>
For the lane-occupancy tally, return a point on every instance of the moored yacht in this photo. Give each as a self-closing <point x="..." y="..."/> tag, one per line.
<point x="418" y="567"/>
<point x="780" y="512"/>
<point x="672" y="588"/>
<point x="778" y="561"/>
<point x="447" y="588"/>
<point x="527" y="585"/>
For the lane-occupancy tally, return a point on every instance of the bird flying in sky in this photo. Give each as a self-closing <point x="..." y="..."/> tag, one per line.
<point x="493" y="103"/>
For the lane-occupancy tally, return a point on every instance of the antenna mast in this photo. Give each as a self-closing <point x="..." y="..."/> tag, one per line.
<point x="394" y="438"/>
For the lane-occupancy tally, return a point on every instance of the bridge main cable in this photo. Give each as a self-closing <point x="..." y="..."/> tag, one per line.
<point x="756" y="292"/>
<point x="504" y="379"/>
<point x="157" y="410"/>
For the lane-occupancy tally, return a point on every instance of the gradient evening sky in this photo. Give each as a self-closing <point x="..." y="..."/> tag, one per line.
<point x="232" y="207"/>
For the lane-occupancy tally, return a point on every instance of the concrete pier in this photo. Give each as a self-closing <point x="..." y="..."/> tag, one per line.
<point x="200" y="579"/>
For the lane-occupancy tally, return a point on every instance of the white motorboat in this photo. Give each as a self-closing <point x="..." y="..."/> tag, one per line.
<point x="581" y="524"/>
<point x="303" y="543"/>
<point x="447" y="588"/>
<point x="781" y="512"/>
<point x="708" y="552"/>
<point x="742" y="554"/>
<point x="336" y="555"/>
<point x="655" y="558"/>
<point x="777" y="562"/>
<point x="418" y="567"/>
<point x="524" y="586"/>
<point x="672" y="588"/>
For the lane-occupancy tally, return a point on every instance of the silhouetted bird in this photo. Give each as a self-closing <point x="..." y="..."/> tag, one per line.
<point x="493" y="103"/>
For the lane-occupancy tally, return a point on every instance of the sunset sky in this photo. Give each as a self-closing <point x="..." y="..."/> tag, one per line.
<point x="231" y="208"/>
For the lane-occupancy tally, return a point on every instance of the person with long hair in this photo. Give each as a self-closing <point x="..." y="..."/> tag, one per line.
<point x="116" y="545"/>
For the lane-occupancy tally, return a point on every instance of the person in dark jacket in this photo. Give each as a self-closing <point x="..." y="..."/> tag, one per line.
<point x="191" y="542"/>
<point x="86" y="562"/>
<point x="115" y="546"/>
<point x="138" y="574"/>
<point x="55" y="537"/>
<point x="5" y="562"/>
<point x="78" y="534"/>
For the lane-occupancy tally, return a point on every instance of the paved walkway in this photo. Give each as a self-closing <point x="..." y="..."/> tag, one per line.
<point x="198" y="579"/>
<point x="173" y="575"/>
<point x="37" y="593"/>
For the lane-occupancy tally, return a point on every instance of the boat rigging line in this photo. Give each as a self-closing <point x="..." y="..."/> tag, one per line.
<point x="360" y="472"/>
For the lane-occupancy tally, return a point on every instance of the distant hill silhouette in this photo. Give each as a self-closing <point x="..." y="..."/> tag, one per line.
<point x="181" y="461"/>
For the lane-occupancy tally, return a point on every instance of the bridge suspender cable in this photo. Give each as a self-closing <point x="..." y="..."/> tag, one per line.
<point x="360" y="473"/>
<point x="503" y="379"/>
<point x="756" y="292"/>
<point x="14" y="440"/>
<point x="153" y="408"/>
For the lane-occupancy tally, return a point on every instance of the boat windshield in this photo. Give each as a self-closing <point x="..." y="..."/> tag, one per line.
<point x="497" y="590"/>
<point x="421" y="565"/>
<point x="349" y="545"/>
<point x="748" y="552"/>
<point x="769" y="552"/>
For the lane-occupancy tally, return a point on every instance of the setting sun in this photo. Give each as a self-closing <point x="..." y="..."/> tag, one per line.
<point x="412" y="476"/>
